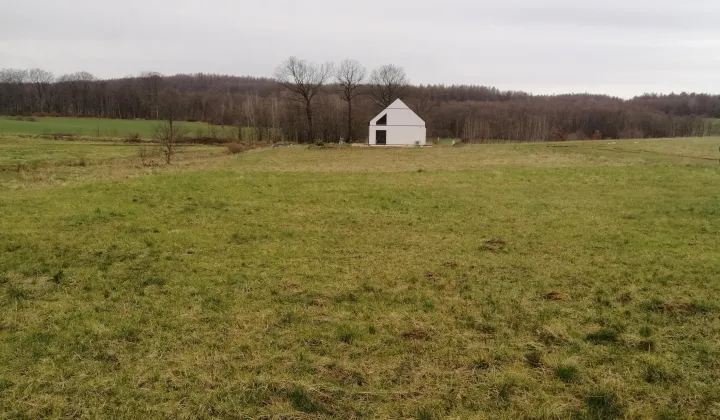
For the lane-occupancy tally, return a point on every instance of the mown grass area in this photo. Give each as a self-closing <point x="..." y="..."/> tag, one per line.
<point x="498" y="281"/>
<point x="95" y="127"/>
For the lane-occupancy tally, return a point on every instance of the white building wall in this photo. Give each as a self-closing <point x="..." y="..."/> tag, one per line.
<point x="403" y="128"/>
<point x="400" y="135"/>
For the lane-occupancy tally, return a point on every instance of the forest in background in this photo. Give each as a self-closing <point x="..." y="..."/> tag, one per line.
<point x="305" y="102"/>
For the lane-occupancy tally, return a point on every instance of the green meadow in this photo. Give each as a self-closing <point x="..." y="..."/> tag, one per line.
<point x="91" y="127"/>
<point x="553" y="280"/>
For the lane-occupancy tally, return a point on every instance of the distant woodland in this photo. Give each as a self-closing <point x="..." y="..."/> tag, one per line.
<point x="306" y="102"/>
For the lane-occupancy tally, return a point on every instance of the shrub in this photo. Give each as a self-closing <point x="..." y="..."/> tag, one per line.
<point x="207" y="140"/>
<point x="82" y="161"/>
<point x="578" y="135"/>
<point x="147" y="154"/>
<point x="133" y="138"/>
<point x="558" y="134"/>
<point x="29" y="119"/>
<point x="235" y="148"/>
<point x="62" y="136"/>
<point x="631" y="133"/>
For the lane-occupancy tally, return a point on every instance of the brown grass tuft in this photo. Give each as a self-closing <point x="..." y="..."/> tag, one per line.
<point x="416" y="334"/>
<point x="556" y="296"/>
<point x="493" y="245"/>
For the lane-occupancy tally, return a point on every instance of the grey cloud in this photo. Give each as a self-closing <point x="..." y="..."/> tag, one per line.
<point x="616" y="47"/>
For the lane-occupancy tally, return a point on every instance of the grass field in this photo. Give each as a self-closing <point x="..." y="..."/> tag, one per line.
<point x="92" y="127"/>
<point x="574" y="280"/>
<point x="38" y="152"/>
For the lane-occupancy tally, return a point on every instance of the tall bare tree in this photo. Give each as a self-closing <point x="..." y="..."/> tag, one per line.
<point x="388" y="83"/>
<point x="423" y="101"/>
<point x="304" y="80"/>
<point x="14" y="80"/>
<point x="80" y="84"/>
<point x="41" y="81"/>
<point x="349" y="76"/>
<point x="151" y="83"/>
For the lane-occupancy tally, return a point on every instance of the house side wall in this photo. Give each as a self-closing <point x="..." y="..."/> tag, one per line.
<point x="400" y="135"/>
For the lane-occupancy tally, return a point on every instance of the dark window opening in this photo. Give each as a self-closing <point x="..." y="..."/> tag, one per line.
<point x="382" y="121"/>
<point x="381" y="137"/>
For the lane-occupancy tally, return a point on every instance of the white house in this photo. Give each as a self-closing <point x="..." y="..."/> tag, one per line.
<point x="397" y="125"/>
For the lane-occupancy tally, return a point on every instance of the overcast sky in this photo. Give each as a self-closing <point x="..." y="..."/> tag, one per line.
<point x="618" y="47"/>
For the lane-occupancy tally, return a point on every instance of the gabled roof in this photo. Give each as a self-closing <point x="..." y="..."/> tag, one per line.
<point x="403" y="115"/>
<point x="398" y="104"/>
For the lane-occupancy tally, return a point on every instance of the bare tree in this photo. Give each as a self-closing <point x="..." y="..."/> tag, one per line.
<point x="349" y="76"/>
<point x="168" y="134"/>
<point x="41" y="81"/>
<point x="80" y="84"/>
<point x="424" y="101"/>
<point x="388" y="83"/>
<point x="151" y="83"/>
<point x="304" y="80"/>
<point x="14" y="80"/>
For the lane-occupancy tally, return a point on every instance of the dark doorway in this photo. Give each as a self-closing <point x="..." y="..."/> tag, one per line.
<point x="381" y="137"/>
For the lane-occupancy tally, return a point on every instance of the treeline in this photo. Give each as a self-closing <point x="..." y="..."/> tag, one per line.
<point x="307" y="102"/>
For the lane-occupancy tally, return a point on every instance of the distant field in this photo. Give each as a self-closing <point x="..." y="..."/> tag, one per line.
<point x="553" y="280"/>
<point x="91" y="127"/>
<point x="30" y="152"/>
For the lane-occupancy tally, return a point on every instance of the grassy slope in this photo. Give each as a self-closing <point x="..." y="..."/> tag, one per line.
<point x="97" y="127"/>
<point x="309" y="282"/>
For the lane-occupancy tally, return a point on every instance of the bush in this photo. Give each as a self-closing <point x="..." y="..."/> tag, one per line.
<point x="631" y="133"/>
<point x="62" y="136"/>
<point x="207" y="140"/>
<point x="558" y="134"/>
<point x="82" y="161"/>
<point x="133" y="138"/>
<point x="29" y="119"/>
<point x="148" y="154"/>
<point x="235" y="148"/>
<point x="578" y="135"/>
